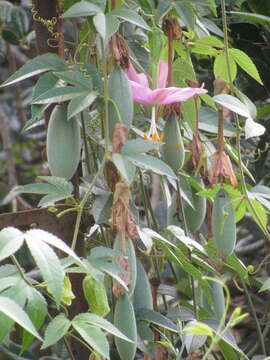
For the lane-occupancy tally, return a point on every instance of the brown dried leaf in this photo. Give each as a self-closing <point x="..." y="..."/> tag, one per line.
<point x="161" y="352"/>
<point x="120" y="51"/>
<point x="120" y="136"/>
<point x="196" y="149"/>
<point x="123" y="263"/>
<point x="121" y="215"/>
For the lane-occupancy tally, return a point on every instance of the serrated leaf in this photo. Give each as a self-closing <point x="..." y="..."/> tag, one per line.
<point x="93" y="336"/>
<point x="80" y="103"/>
<point x="98" y="321"/>
<point x="245" y="62"/>
<point x="48" y="264"/>
<point x="132" y="17"/>
<point x="36" y="309"/>
<point x="56" y="329"/>
<point x="124" y="166"/>
<point x="11" y="240"/>
<point x="16" y="313"/>
<point x="221" y="68"/>
<point x="36" y="66"/>
<point x="154" y="164"/>
<point x="82" y="8"/>
<point x="232" y="103"/>
<point x="183" y="70"/>
<point x="60" y="94"/>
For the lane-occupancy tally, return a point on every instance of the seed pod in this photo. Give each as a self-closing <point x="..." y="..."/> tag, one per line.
<point x="63" y="143"/>
<point x="96" y="296"/>
<point x="130" y="253"/>
<point x="194" y="217"/>
<point x="224" y="227"/>
<point x="124" y="320"/>
<point x="173" y="149"/>
<point x="142" y="294"/>
<point x="120" y="92"/>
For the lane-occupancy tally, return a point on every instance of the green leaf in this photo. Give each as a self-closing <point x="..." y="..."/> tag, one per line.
<point x="52" y="240"/>
<point x="36" y="66"/>
<point x="259" y="210"/>
<point x="253" y="129"/>
<point x="232" y="103"/>
<point x="198" y="328"/>
<point x="17" y="314"/>
<point x="221" y="68"/>
<point x="183" y="70"/>
<point x="82" y="8"/>
<point x="132" y="17"/>
<point x="257" y="18"/>
<point x="75" y="78"/>
<point x="37" y="310"/>
<point x="48" y="264"/>
<point x="208" y="121"/>
<point x="56" y="189"/>
<point x="19" y="20"/>
<point x="112" y="25"/>
<point x="100" y="24"/>
<point x="152" y="163"/>
<point x="138" y="146"/>
<point x="265" y="286"/>
<point x="237" y="266"/>
<point x="5" y="10"/>
<point x="156" y="318"/>
<point x="11" y="240"/>
<point x="46" y="82"/>
<point x="124" y="166"/>
<point x="80" y="103"/>
<point x="186" y="12"/>
<point x="227" y="351"/>
<point x="60" y="94"/>
<point x="245" y="62"/>
<point x="56" y="329"/>
<point x="98" y="321"/>
<point x="93" y="336"/>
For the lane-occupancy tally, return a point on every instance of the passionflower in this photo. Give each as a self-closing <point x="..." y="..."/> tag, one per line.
<point x="162" y="95"/>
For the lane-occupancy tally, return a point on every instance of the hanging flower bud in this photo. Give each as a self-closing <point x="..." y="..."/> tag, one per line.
<point x="172" y="28"/>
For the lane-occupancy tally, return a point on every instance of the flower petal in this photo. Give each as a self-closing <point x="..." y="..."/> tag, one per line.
<point x="141" y="94"/>
<point x="162" y="74"/>
<point x="138" y="78"/>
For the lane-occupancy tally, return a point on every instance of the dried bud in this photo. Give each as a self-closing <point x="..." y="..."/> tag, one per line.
<point x="173" y="108"/>
<point x="120" y="136"/>
<point x="123" y="263"/>
<point x="222" y="167"/>
<point x="196" y="158"/>
<point x="121" y="214"/>
<point x="172" y="28"/>
<point x="120" y="51"/>
<point x="220" y="86"/>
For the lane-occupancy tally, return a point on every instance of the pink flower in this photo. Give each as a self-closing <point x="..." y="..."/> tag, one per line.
<point x="142" y="93"/>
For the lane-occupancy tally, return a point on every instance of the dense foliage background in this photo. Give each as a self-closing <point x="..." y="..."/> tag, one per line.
<point x="134" y="186"/>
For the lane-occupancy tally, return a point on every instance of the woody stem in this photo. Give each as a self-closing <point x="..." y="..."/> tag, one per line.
<point x="220" y="131"/>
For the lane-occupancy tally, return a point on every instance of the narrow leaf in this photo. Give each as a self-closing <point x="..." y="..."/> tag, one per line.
<point x="56" y="329"/>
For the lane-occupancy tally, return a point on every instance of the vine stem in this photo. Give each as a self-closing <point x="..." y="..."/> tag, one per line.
<point x="242" y="176"/>
<point x="253" y="312"/>
<point x="180" y="199"/>
<point x="106" y="100"/>
<point x="87" y="158"/>
<point x="236" y="119"/>
<point x="83" y="202"/>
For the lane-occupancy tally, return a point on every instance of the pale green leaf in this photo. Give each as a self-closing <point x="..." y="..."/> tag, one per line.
<point x="56" y="329"/>
<point x="81" y="8"/>
<point x="11" y="240"/>
<point x="132" y="17"/>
